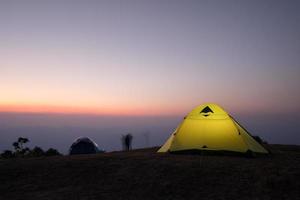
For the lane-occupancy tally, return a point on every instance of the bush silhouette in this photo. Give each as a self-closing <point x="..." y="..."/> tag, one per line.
<point x="22" y="151"/>
<point x="259" y="140"/>
<point x="52" y="152"/>
<point x="7" y="154"/>
<point x="37" y="151"/>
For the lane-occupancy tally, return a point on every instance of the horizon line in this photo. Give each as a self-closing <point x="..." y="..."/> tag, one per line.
<point x="84" y="110"/>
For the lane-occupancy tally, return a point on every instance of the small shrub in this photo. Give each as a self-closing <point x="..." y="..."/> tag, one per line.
<point x="52" y="152"/>
<point x="259" y="140"/>
<point x="7" y="154"/>
<point x="37" y="152"/>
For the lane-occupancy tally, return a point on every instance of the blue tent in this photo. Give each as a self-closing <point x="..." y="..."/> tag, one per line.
<point x="84" y="145"/>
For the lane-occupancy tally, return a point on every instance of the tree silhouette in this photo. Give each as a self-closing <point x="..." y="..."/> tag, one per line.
<point x="16" y="146"/>
<point x="19" y="146"/>
<point x="22" y="141"/>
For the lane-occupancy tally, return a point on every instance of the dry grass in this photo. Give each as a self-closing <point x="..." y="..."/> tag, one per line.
<point x="144" y="174"/>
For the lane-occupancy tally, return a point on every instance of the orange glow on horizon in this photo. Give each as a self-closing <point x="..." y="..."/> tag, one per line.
<point x="63" y="109"/>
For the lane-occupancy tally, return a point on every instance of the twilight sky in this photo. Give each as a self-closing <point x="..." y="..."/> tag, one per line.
<point x="149" y="58"/>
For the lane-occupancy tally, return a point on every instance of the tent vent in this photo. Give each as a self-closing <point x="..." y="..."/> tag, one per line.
<point x="206" y="110"/>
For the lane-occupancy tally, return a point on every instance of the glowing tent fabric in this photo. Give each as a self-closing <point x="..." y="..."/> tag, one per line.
<point x="83" y="145"/>
<point x="209" y="127"/>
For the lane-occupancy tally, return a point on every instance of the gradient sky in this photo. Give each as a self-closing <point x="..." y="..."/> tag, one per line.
<point x="149" y="57"/>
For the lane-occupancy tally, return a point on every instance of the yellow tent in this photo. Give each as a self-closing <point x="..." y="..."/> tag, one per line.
<point x="209" y="127"/>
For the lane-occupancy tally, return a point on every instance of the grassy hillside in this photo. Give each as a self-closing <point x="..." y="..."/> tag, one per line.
<point x="144" y="174"/>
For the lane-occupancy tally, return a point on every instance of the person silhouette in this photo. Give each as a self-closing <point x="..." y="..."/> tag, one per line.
<point x="127" y="141"/>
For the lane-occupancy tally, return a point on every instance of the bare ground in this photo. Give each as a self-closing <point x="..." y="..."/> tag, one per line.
<point x="144" y="174"/>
